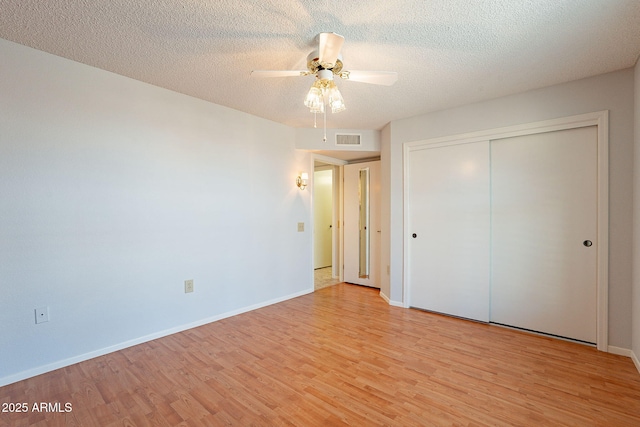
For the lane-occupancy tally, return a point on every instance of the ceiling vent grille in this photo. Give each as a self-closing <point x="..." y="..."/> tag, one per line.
<point x="351" y="140"/>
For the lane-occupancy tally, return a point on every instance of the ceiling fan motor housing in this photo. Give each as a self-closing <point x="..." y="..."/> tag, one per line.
<point x="324" y="74"/>
<point x="314" y="65"/>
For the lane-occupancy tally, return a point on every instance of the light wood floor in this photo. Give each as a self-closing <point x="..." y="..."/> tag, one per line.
<point x="340" y="356"/>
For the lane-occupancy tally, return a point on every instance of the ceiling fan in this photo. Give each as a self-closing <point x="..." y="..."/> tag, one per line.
<point x="325" y="63"/>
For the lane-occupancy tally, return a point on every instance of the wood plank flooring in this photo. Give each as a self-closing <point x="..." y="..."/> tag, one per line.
<point x="339" y="356"/>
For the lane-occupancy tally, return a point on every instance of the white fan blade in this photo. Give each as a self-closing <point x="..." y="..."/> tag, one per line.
<point x="329" y="49"/>
<point x="385" y="78"/>
<point x="285" y="73"/>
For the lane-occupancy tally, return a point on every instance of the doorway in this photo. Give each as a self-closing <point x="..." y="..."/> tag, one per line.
<point x="326" y="224"/>
<point x="362" y="223"/>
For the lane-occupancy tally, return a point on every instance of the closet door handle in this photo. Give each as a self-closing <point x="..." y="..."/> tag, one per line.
<point x="587" y="243"/>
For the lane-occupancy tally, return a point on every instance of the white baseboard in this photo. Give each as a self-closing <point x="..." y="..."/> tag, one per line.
<point x="625" y="352"/>
<point x="393" y="303"/>
<point x="635" y="361"/>
<point x="619" y="351"/>
<point x="101" y="352"/>
<point x="384" y="297"/>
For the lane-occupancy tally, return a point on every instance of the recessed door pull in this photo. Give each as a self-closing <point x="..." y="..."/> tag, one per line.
<point x="414" y="235"/>
<point x="587" y="243"/>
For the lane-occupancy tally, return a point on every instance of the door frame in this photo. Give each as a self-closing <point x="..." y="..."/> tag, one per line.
<point x="337" y="250"/>
<point x="600" y="119"/>
<point x="373" y="279"/>
<point x="327" y="194"/>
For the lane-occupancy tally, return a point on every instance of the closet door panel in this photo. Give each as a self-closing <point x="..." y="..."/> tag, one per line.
<point x="449" y="215"/>
<point x="544" y="214"/>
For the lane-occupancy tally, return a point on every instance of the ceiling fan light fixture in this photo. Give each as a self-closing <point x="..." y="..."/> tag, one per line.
<point x="325" y="63"/>
<point x="324" y="91"/>
<point x="315" y="99"/>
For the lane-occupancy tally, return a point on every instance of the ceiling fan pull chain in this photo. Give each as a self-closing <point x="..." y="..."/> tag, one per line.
<point x="324" y="138"/>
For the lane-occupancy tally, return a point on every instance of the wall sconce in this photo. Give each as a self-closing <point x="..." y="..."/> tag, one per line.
<point x="301" y="180"/>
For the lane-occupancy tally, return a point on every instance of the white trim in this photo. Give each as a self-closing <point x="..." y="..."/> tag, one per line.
<point x="625" y="352"/>
<point x="619" y="351"/>
<point x="599" y="119"/>
<point x="340" y="222"/>
<point x="635" y="361"/>
<point x="336" y="241"/>
<point x="326" y="159"/>
<point x="398" y="304"/>
<point x="120" y="346"/>
<point x="602" y="334"/>
<point x="392" y="303"/>
<point x="338" y="236"/>
<point x="405" y="224"/>
<point x="384" y="297"/>
<point x="571" y="122"/>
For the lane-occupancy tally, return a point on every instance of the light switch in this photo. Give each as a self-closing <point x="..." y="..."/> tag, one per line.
<point x="300" y="226"/>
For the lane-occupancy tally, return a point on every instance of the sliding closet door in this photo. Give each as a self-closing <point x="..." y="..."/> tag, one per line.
<point x="544" y="225"/>
<point x="449" y="229"/>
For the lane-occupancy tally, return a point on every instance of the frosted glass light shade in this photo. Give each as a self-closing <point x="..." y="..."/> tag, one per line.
<point x="315" y="100"/>
<point x="336" y="102"/>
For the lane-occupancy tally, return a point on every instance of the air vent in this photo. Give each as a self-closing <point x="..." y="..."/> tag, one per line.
<point x="351" y="140"/>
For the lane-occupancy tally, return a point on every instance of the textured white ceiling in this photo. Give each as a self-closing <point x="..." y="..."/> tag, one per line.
<point x="446" y="52"/>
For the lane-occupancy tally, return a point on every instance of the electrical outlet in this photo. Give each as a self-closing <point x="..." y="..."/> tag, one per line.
<point x="301" y="226"/>
<point x="188" y="286"/>
<point x="42" y="314"/>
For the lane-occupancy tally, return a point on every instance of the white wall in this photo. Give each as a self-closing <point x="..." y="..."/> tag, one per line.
<point x="113" y="192"/>
<point x="614" y="92"/>
<point x="636" y="224"/>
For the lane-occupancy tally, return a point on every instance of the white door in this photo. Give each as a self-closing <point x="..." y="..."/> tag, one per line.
<point x="362" y="224"/>
<point x="544" y="224"/>
<point x="449" y="229"/>
<point x="322" y="217"/>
